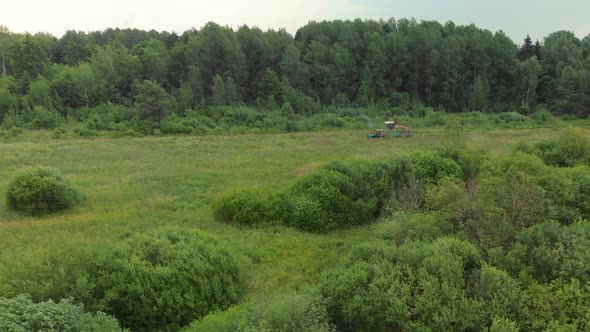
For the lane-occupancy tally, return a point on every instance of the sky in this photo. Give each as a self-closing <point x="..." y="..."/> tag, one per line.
<point x="516" y="18"/>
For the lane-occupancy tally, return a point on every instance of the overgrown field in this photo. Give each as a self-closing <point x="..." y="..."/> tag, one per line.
<point x="133" y="185"/>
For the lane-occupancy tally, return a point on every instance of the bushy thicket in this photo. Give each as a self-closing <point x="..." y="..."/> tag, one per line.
<point x="341" y="195"/>
<point x="572" y="148"/>
<point x="334" y="197"/>
<point x="442" y="285"/>
<point x="164" y="279"/>
<point x="41" y="190"/>
<point x="21" y="314"/>
<point x="524" y="219"/>
<point x="245" y="207"/>
<point x="161" y="280"/>
<point x="549" y="251"/>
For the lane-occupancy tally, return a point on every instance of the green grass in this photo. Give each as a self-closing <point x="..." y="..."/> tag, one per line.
<point x="135" y="184"/>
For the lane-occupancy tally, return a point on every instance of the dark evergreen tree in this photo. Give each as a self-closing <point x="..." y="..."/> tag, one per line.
<point x="527" y="50"/>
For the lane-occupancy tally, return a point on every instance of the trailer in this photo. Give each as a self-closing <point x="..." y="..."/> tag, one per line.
<point x="393" y="130"/>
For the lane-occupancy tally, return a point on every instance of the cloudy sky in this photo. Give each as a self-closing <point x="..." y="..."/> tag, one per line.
<point x="515" y="17"/>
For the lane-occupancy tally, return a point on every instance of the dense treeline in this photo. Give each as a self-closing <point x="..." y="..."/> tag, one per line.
<point x="339" y="63"/>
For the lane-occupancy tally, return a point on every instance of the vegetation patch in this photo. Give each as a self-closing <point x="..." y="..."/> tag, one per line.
<point x="244" y="207"/>
<point x="164" y="279"/>
<point x="22" y="314"/>
<point x="41" y="190"/>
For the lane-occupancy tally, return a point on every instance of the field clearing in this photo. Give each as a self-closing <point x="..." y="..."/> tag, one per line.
<point x="135" y="184"/>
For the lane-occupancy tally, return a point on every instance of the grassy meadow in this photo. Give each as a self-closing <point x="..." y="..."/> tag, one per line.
<point x="135" y="184"/>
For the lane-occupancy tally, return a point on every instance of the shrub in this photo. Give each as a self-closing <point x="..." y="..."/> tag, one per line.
<point x="326" y="200"/>
<point x="57" y="133"/>
<point x="561" y="306"/>
<point x="454" y="134"/>
<point x="431" y="167"/>
<point x="512" y="117"/>
<point x="502" y="295"/>
<point x="470" y="161"/>
<point x="580" y="178"/>
<point x="406" y="192"/>
<point x="371" y="180"/>
<point x="542" y="116"/>
<point x="416" y="287"/>
<point x="572" y="148"/>
<point x="41" y="190"/>
<point x="512" y="185"/>
<point x="244" y="207"/>
<point x="519" y="165"/>
<point x="21" y="314"/>
<point x="501" y="324"/>
<point x="549" y="251"/>
<point x="44" y="119"/>
<point x="164" y="279"/>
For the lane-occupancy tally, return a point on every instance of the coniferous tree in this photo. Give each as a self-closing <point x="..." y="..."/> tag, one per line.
<point x="527" y="50"/>
<point x="152" y="100"/>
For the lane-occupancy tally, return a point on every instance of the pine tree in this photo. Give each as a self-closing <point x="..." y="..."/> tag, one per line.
<point x="527" y="50"/>
<point x="538" y="50"/>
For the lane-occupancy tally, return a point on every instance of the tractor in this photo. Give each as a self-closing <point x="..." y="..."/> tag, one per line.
<point x="393" y="130"/>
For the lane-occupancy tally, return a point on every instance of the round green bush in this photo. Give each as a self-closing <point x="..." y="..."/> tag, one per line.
<point x="163" y="279"/>
<point x="41" y="190"/>
<point x="244" y="207"/>
<point x="441" y="285"/>
<point x="326" y="200"/>
<point x="22" y="314"/>
<point x="431" y="168"/>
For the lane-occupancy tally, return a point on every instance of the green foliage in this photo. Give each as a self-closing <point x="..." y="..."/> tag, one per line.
<point x="503" y="325"/>
<point x="432" y="168"/>
<point x="164" y="279"/>
<point x="41" y="190"/>
<point x="269" y="89"/>
<point x="152" y="100"/>
<point x="572" y="148"/>
<point x="337" y="196"/>
<point x="8" y="101"/>
<point x="542" y="116"/>
<point x="419" y="286"/>
<point x="11" y="133"/>
<point x="454" y="134"/>
<point x="244" y="207"/>
<point x="324" y="201"/>
<point x="549" y="251"/>
<point x="43" y="118"/>
<point x="512" y="117"/>
<point x="224" y="91"/>
<point x="21" y="314"/>
<point x="479" y="95"/>
<point x="404" y="227"/>
<point x="398" y="63"/>
<point x="560" y="306"/>
<point x="469" y="160"/>
<point x="289" y="312"/>
<point x="502" y="296"/>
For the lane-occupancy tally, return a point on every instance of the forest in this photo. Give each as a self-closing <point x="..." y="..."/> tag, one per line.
<point x="148" y="80"/>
